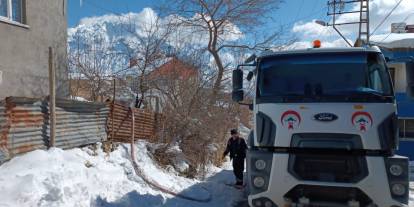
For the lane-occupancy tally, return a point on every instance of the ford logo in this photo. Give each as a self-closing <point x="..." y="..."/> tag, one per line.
<point x="325" y="117"/>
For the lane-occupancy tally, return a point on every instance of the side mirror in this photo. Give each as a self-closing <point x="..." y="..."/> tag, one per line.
<point x="409" y="67"/>
<point x="238" y="93"/>
<point x="250" y="76"/>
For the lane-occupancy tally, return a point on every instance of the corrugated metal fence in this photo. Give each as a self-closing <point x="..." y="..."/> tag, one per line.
<point x="24" y="124"/>
<point x="24" y="128"/>
<point x="120" y="120"/>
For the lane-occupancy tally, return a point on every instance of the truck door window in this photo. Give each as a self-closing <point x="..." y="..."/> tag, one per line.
<point x="378" y="77"/>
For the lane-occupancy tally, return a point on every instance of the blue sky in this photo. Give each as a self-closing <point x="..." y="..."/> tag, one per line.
<point x="91" y="8"/>
<point x="297" y="17"/>
<point x="290" y="11"/>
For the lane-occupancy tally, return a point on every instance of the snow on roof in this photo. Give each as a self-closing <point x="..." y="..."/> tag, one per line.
<point x="394" y="40"/>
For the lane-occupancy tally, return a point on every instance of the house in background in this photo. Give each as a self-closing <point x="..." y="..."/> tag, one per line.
<point x="27" y="29"/>
<point x="165" y="78"/>
<point x="398" y="47"/>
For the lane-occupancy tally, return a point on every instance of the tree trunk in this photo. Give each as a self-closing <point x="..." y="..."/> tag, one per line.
<point x="220" y="73"/>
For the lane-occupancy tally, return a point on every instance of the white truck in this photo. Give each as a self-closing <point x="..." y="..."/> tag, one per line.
<point x="325" y="130"/>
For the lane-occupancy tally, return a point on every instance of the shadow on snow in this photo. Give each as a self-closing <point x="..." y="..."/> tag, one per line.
<point x="222" y="195"/>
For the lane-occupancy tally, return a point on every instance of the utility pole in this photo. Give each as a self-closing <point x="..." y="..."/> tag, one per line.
<point x="337" y="8"/>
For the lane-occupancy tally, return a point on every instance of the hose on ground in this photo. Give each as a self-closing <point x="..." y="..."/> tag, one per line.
<point x="157" y="186"/>
<point x="151" y="183"/>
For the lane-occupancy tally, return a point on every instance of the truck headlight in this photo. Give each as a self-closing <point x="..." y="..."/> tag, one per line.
<point x="260" y="164"/>
<point x="263" y="202"/>
<point x="398" y="189"/>
<point x="396" y="170"/>
<point x="259" y="182"/>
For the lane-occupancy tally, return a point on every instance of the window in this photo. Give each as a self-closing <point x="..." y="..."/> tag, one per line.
<point x="13" y="10"/>
<point x="377" y="73"/>
<point x="406" y="127"/>
<point x="327" y="76"/>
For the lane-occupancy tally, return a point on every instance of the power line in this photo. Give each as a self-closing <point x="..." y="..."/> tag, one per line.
<point x="386" y="17"/>
<point x="300" y="9"/>
<point x="305" y="17"/>
<point x="338" y="7"/>
<point x="405" y="19"/>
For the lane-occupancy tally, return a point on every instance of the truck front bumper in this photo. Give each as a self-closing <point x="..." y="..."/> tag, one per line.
<point x="282" y="189"/>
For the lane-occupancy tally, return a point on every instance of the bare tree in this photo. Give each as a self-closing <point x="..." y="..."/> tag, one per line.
<point x="189" y="118"/>
<point x="146" y="50"/>
<point x="220" y="19"/>
<point x="93" y="62"/>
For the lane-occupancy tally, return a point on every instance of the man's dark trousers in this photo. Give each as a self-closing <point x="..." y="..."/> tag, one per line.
<point x="238" y="169"/>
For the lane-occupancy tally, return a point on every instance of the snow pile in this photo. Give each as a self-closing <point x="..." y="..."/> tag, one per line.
<point x="78" y="98"/>
<point x="178" y="159"/>
<point x="84" y="177"/>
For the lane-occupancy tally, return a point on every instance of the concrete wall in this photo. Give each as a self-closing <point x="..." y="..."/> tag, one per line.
<point x="400" y="81"/>
<point x="24" y="51"/>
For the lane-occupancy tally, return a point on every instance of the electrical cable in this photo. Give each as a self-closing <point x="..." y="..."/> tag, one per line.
<point x="405" y="19"/>
<point x="386" y="17"/>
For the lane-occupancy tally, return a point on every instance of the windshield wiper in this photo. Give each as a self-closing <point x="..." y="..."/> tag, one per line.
<point x="370" y="93"/>
<point x="361" y="94"/>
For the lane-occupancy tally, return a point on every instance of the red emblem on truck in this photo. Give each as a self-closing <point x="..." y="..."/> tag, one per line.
<point x="362" y="120"/>
<point x="291" y="119"/>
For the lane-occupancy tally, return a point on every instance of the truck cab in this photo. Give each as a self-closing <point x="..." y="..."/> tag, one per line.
<point x="325" y="130"/>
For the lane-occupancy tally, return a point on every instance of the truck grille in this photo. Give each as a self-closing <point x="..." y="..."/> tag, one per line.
<point x="327" y="167"/>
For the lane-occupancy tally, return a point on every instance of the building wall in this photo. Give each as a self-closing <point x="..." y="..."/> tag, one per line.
<point x="24" y="51"/>
<point x="400" y="82"/>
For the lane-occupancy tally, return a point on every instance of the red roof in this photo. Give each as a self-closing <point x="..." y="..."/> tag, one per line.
<point x="175" y="68"/>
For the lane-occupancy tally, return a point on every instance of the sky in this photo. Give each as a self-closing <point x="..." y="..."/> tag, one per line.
<point x="303" y="9"/>
<point x="296" y="16"/>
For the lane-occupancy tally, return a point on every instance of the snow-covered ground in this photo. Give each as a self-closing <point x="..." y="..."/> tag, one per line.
<point x="83" y="177"/>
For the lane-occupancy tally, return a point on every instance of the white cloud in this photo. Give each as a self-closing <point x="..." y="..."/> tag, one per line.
<point x="308" y="31"/>
<point x="311" y="30"/>
<point x="308" y="44"/>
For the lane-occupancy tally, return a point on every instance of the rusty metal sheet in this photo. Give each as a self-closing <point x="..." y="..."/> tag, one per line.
<point x="120" y="121"/>
<point x="3" y="133"/>
<point x="24" y="125"/>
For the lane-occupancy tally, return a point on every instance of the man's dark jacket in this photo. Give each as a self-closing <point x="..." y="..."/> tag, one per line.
<point x="237" y="148"/>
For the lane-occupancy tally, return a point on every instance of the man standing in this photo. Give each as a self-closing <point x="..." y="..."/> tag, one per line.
<point x="237" y="147"/>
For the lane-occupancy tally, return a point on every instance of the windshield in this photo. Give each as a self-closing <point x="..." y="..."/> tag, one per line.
<point x="323" y="75"/>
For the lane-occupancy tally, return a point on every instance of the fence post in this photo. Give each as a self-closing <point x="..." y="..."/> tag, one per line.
<point x="132" y="133"/>
<point x="113" y="113"/>
<point x="52" y="99"/>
